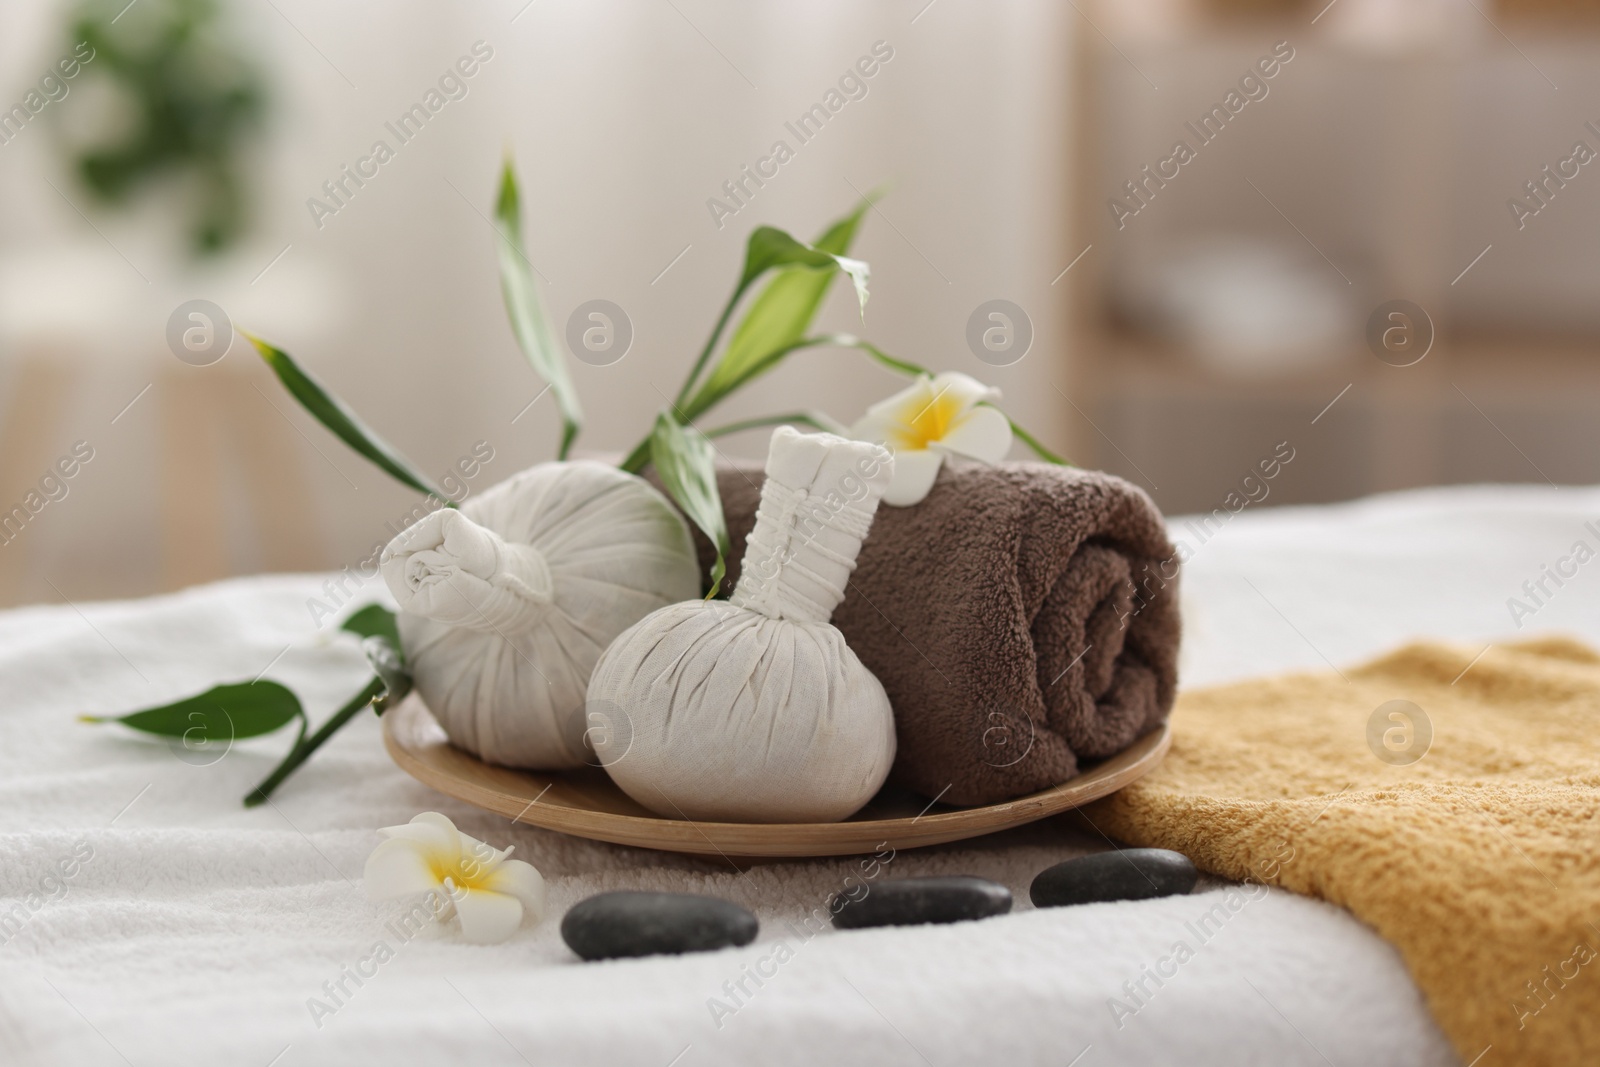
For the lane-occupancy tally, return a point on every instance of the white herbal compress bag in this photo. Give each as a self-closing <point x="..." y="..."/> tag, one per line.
<point x="755" y="709"/>
<point x="506" y="604"/>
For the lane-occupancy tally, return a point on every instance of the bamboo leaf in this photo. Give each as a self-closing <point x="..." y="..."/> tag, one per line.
<point x="783" y="311"/>
<point x="778" y="318"/>
<point x="380" y="634"/>
<point x="374" y="620"/>
<point x="528" y="320"/>
<point x="388" y="664"/>
<point x="769" y="248"/>
<point x="223" y="713"/>
<point x="344" y="424"/>
<point x="685" y="463"/>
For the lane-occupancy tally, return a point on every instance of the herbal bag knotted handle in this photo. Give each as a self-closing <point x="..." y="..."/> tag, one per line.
<point x="755" y="710"/>
<point x="506" y="604"/>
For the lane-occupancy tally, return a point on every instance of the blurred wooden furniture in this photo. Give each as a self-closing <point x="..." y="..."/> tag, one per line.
<point x="226" y="461"/>
<point x="39" y="394"/>
<point x="210" y="415"/>
<point x="1513" y="407"/>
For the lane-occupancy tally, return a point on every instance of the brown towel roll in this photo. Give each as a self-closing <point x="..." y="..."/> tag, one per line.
<point x="1022" y="618"/>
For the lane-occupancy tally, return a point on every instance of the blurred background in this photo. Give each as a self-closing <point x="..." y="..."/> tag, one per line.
<point x="1374" y="250"/>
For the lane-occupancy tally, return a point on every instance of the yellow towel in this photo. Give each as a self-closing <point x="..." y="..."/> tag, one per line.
<point x="1479" y="861"/>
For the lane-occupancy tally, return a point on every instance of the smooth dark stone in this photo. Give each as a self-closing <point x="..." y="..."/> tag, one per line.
<point x="1125" y="874"/>
<point x="629" y="923"/>
<point x="910" y="901"/>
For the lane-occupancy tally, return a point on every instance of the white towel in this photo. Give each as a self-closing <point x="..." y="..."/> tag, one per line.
<point x="198" y="931"/>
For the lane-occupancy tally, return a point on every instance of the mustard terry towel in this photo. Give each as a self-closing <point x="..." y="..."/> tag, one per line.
<point x="1479" y="861"/>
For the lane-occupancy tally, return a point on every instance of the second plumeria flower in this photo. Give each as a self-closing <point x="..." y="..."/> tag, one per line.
<point x="491" y="894"/>
<point x="929" y="420"/>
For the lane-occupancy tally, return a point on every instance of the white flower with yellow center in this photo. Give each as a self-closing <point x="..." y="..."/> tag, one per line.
<point x="490" y="892"/>
<point x="929" y="420"/>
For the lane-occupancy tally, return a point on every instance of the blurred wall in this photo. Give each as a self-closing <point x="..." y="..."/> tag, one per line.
<point x="624" y="119"/>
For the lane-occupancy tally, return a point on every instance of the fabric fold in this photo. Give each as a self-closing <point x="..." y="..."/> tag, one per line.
<point x="452" y="570"/>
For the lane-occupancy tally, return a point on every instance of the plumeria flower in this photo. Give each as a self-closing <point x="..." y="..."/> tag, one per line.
<point x="929" y="420"/>
<point x="491" y="893"/>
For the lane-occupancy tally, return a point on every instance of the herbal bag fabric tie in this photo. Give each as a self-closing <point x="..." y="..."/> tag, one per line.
<point x="1023" y="618"/>
<point x="454" y="571"/>
<point x="756" y="709"/>
<point x="506" y="604"/>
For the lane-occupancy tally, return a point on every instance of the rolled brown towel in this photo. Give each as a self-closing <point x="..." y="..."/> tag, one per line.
<point x="1022" y="618"/>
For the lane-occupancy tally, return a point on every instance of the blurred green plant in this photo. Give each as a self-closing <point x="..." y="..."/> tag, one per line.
<point x="193" y="99"/>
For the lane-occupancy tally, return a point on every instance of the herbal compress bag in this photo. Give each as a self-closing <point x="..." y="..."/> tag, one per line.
<point x="506" y="604"/>
<point x="755" y="709"/>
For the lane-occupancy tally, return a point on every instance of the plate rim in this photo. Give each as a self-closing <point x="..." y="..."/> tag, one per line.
<point x="758" y="840"/>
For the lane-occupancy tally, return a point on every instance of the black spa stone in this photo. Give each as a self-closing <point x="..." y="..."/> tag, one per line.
<point x="1124" y="874"/>
<point x="629" y="923"/>
<point x="911" y="901"/>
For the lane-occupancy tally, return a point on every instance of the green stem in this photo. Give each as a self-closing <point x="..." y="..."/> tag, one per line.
<point x="705" y="400"/>
<point x="711" y="343"/>
<point x="899" y="366"/>
<point x="303" y="749"/>
<point x="640" y="455"/>
<point x="686" y="412"/>
<point x="637" y="458"/>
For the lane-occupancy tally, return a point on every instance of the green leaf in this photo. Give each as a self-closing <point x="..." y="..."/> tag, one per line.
<point x="768" y="248"/>
<point x="684" y="461"/>
<point x="528" y="320"/>
<point x="332" y="413"/>
<point x="782" y="313"/>
<point x="374" y="620"/>
<point x="771" y="247"/>
<point x="227" y="712"/>
<point x="375" y="624"/>
<point x="390" y="668"/>
<point x="777" y="319"/>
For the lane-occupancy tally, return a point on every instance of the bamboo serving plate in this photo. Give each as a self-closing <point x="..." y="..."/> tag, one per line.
<point x="586" y="803"/>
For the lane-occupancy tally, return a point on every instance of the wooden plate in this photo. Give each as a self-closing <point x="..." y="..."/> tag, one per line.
<point x="587" y="804"/>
